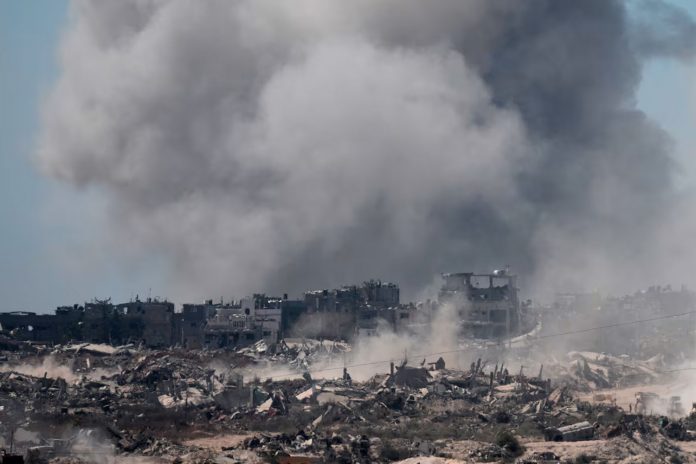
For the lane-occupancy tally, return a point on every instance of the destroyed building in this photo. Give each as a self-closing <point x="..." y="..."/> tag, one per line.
<point x="189" y="329"/>
<point x="372" y="293"/>
<point x="229" y="327"/>
<point x="487" y="304"/>
<point x="60" y="327"/>
<point x="100" y="322"/>
<point x="155" y="317"/>
<point x="350" y="310"/>
<point x="234" y="324"/>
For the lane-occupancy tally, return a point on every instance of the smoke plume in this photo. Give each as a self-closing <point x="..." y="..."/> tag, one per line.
<point x="281" y="146"/>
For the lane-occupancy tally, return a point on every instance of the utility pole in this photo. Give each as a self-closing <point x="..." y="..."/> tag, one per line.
<point x="507" y="327"/>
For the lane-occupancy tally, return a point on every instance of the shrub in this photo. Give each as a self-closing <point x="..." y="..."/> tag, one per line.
<point x="391" y="453"/>
<point x="509" y="443"/>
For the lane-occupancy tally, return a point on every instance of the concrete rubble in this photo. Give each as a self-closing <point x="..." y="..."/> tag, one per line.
<point x="134" y="402"/>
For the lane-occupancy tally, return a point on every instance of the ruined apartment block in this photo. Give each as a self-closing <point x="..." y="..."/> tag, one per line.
<point x="487" y="304"/>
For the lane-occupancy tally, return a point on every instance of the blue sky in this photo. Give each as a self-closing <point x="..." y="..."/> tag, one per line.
<point x="28" y="35"/>
<point x="37" y="240"/>
<point x="43" y="222"/>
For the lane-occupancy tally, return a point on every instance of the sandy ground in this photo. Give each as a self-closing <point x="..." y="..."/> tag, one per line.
<point x="603" y="449"/>
<point x="432" y="460"/>
<point x="617" y="450"/>
<point x="627" y="396"/>
<point x="620" y="450"/>
<point x="217" y="443"/>
<point x="688" y="446"/>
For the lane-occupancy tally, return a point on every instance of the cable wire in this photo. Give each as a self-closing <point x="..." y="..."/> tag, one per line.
<point x="529" y="338"/>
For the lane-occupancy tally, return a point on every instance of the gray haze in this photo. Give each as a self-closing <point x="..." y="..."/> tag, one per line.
<point x="256" y="144"/>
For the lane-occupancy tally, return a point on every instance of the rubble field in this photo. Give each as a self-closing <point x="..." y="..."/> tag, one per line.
<point x="97" y="403"/>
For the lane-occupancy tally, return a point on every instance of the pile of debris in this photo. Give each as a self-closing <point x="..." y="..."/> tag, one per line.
<point x="298" y="354"/>
<point x="152" y="403"/>
<point x="588" y="371"/>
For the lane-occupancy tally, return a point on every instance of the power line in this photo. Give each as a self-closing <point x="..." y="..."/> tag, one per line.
<point x="617" y="324"/>
<point x="678" y="370"/>
<point x="529" y="338"/>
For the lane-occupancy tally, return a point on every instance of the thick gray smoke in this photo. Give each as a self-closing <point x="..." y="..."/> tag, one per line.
<point x="257" y="144"/>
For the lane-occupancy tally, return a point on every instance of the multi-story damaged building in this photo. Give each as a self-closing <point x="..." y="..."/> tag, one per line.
<point x="150" y="322"/>
<point x="372" y="293"/>
<point x="229" y="325"/>
<point x="153" y="317"/>
<point x="397" y="318"/>
<point x="99" y="322"/>
<point x="190" y="324"/>
<point x="351" y="310"/>
<point x="232" y="324"/>
<point x="487" y="304"/>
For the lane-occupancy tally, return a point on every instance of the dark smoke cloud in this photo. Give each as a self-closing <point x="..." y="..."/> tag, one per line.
<point x="284" y="146"/>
